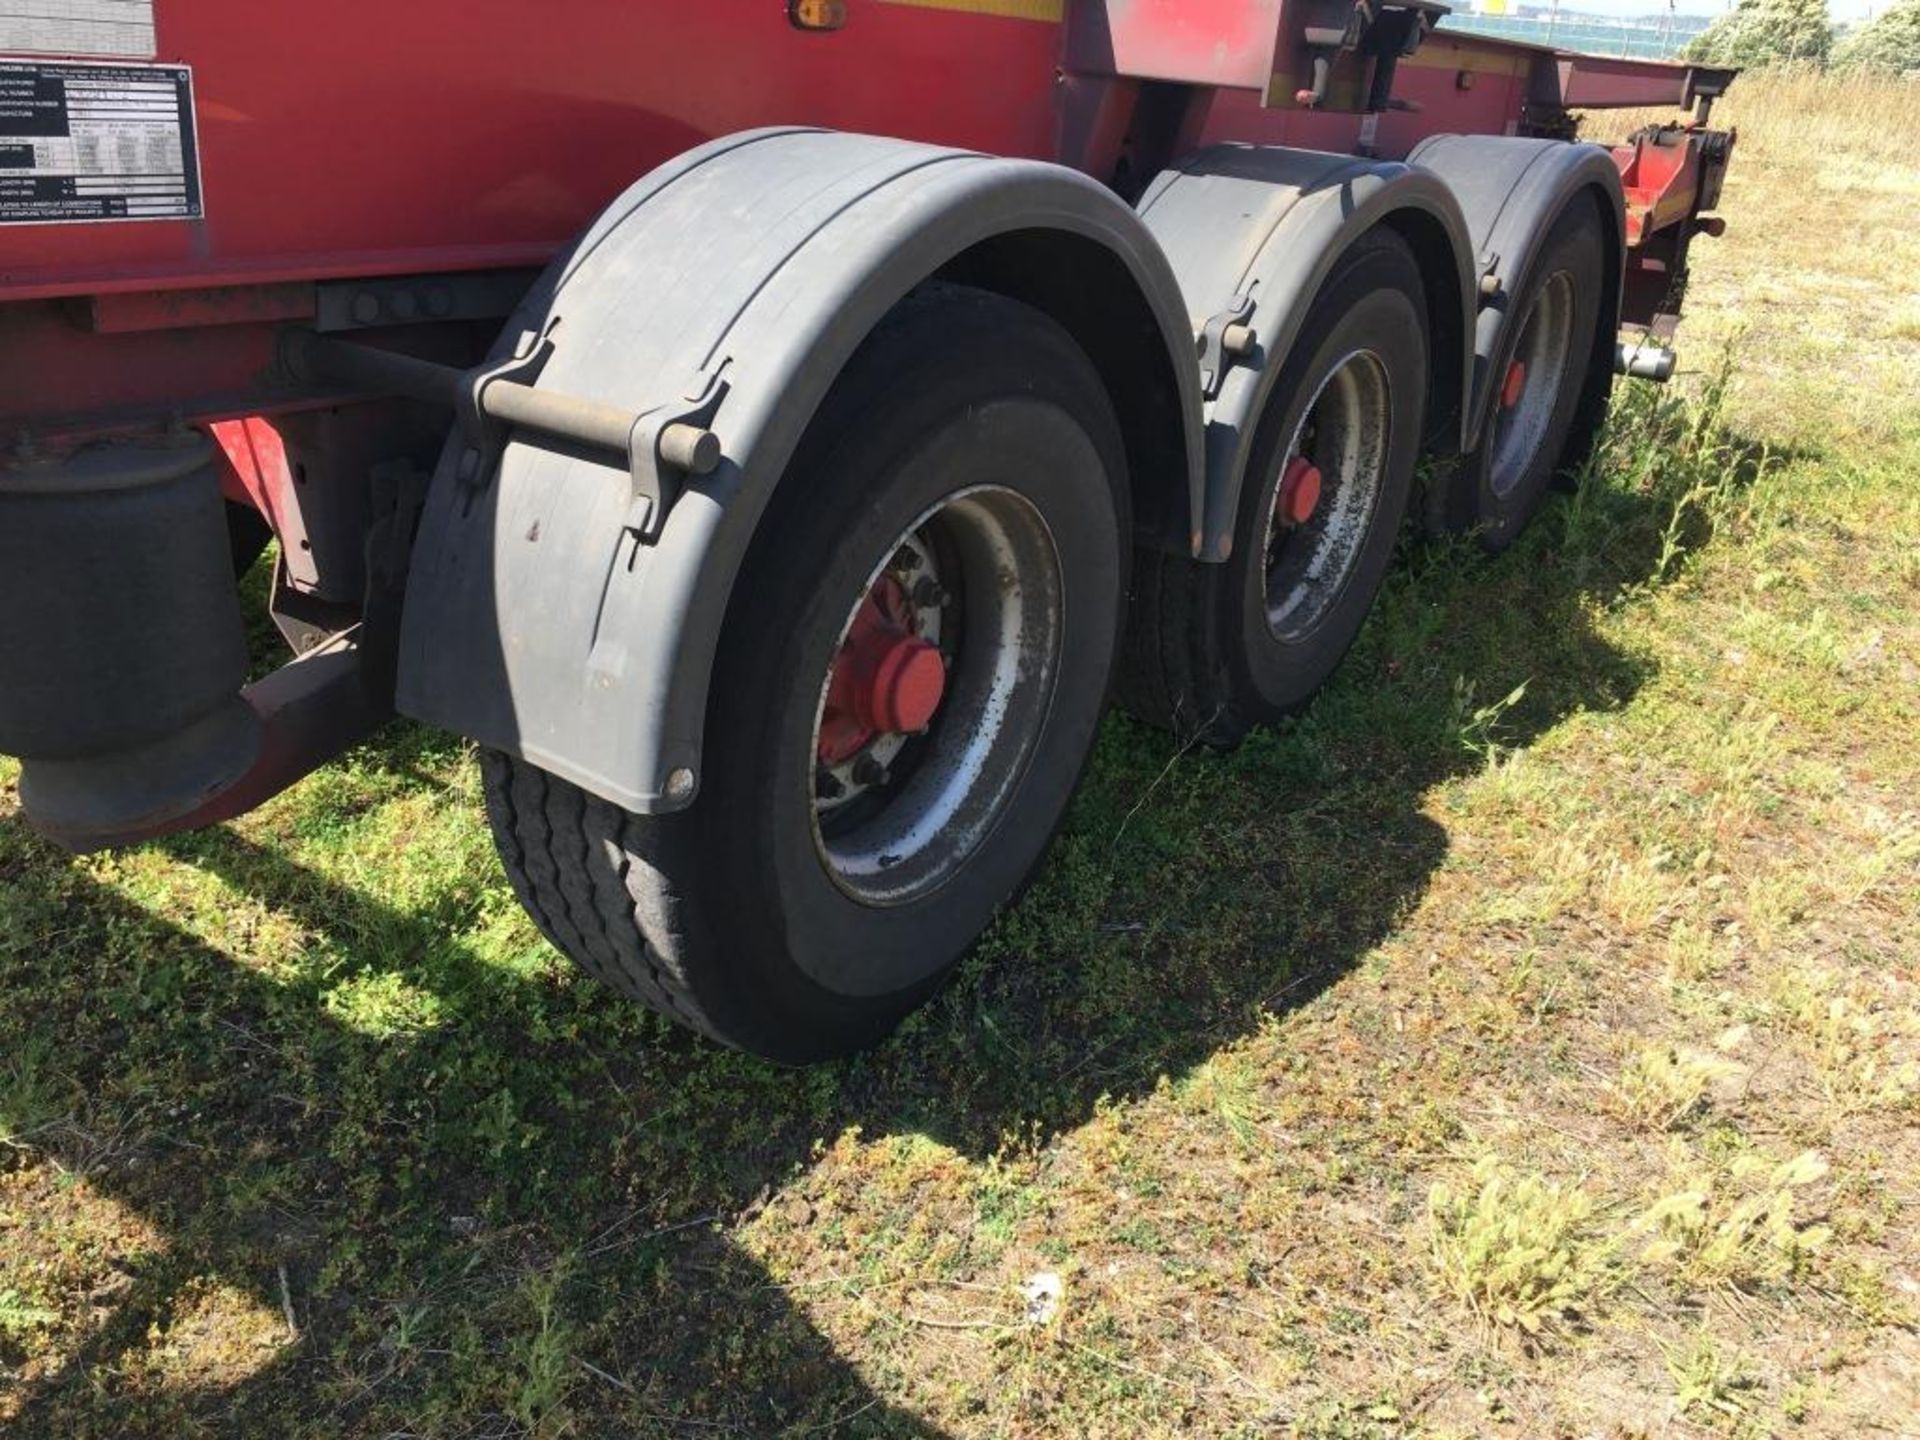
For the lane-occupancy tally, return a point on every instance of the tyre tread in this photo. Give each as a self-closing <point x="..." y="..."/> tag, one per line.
<point x="574" y="861"/>
<point x="637" y="901"/>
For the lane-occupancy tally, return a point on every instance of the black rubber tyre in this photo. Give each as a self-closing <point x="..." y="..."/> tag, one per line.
<point x="1204" y="655"/>
<point x="1495" y="491"/>
<point x="728" y="917"/>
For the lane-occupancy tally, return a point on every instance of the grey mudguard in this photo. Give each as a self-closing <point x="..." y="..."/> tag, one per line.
<point x="1512" y="191"/>
<point x="537" y="620"/>
<point x="1253" y="232"/>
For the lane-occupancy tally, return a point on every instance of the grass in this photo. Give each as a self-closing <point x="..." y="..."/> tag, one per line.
<point x="1526" y="1040"/>
<point x="1519" y="1250"/>
<point x="1659" y="1087"/>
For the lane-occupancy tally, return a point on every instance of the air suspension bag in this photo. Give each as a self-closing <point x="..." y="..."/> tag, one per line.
<point x="122" y="651"/>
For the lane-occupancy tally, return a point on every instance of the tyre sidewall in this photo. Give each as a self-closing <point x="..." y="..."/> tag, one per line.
<point x="1572" y="246"/>
<point x="1031" y="418"/>
<point x="1374" y="304"/>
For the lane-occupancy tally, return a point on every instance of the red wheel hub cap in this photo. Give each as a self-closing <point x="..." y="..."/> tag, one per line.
<point x="1299" y="491"/>
<point x="885" y="680"/>
<point x="1514" y="386"/>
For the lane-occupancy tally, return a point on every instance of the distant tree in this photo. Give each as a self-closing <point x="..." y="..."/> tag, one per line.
<point x="1890" y="41"/>
<point x="1766" y="32"/>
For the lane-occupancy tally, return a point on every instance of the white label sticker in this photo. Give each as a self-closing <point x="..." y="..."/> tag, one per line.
<point x="83" y="143"/>
<point x="77" y="27"/>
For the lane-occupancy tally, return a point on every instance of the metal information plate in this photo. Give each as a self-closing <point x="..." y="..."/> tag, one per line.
<point x="83" y="143"/>
<point x="77" y="27"/>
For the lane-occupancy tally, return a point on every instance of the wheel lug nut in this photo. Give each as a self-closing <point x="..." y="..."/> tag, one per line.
<point x="906" y="558"/>
<point x="869" y="771"/>
<point x="827" y="786"/>
<point x="927" y="594"/>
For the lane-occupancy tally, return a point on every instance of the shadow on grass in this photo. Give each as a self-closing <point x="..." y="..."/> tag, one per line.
<point x="503" y="1217"/>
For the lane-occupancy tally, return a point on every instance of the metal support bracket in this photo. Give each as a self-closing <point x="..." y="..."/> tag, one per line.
<point x="1226" y="337"/>
<point x="1367" y="38"/>
<point x="669" y="443"/>
<point x="1489" y="286"/>
<point x="484" y="432"/>
<point x="660" y="445"/>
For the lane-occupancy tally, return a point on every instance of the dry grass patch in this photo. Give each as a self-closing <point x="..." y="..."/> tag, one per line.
<point x="1520" y="1250"/>
<point x="1819" y="261"/>
<point x="1737" y="1224"/>
<point x="1661" y="1087"/>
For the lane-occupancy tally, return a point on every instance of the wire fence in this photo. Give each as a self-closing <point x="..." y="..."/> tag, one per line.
<point x="1653" y="39"/>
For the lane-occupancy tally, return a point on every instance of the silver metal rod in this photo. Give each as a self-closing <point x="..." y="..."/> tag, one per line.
<point x="315" y="357"/>
<point x="566" y="417"/>
<point x="559" y="416"/>
<point x="1644" y="362"/>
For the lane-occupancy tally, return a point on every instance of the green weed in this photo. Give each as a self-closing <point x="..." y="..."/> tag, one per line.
<point x="1661" y="1087"/>
<point x="1707" y="1382"/>
<point x="1519" y="1249"/>
<point x="1738" y="1228"/>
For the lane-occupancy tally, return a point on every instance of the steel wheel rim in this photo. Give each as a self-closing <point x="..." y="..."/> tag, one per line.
<point x="999" y="629"/>
<point x="1544" y="348"/>
<point x="1345" y="432"/>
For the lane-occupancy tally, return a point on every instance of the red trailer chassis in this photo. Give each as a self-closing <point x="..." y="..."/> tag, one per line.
<point x="358" y="140"/>
<point x="296" y="233"/>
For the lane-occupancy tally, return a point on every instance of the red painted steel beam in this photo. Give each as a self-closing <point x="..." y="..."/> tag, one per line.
<point x="1454" y="84"/>
<point x="1197" y="42"/>
<point x="121" y="312"/>
<point x="1594" y="82"/>
<point x="481" y="134"/>
<point x="363" y="137"/>
<point x="65" y="379"/>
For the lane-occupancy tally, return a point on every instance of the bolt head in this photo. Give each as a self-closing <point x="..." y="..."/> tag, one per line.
<point x="680" y="784"/>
